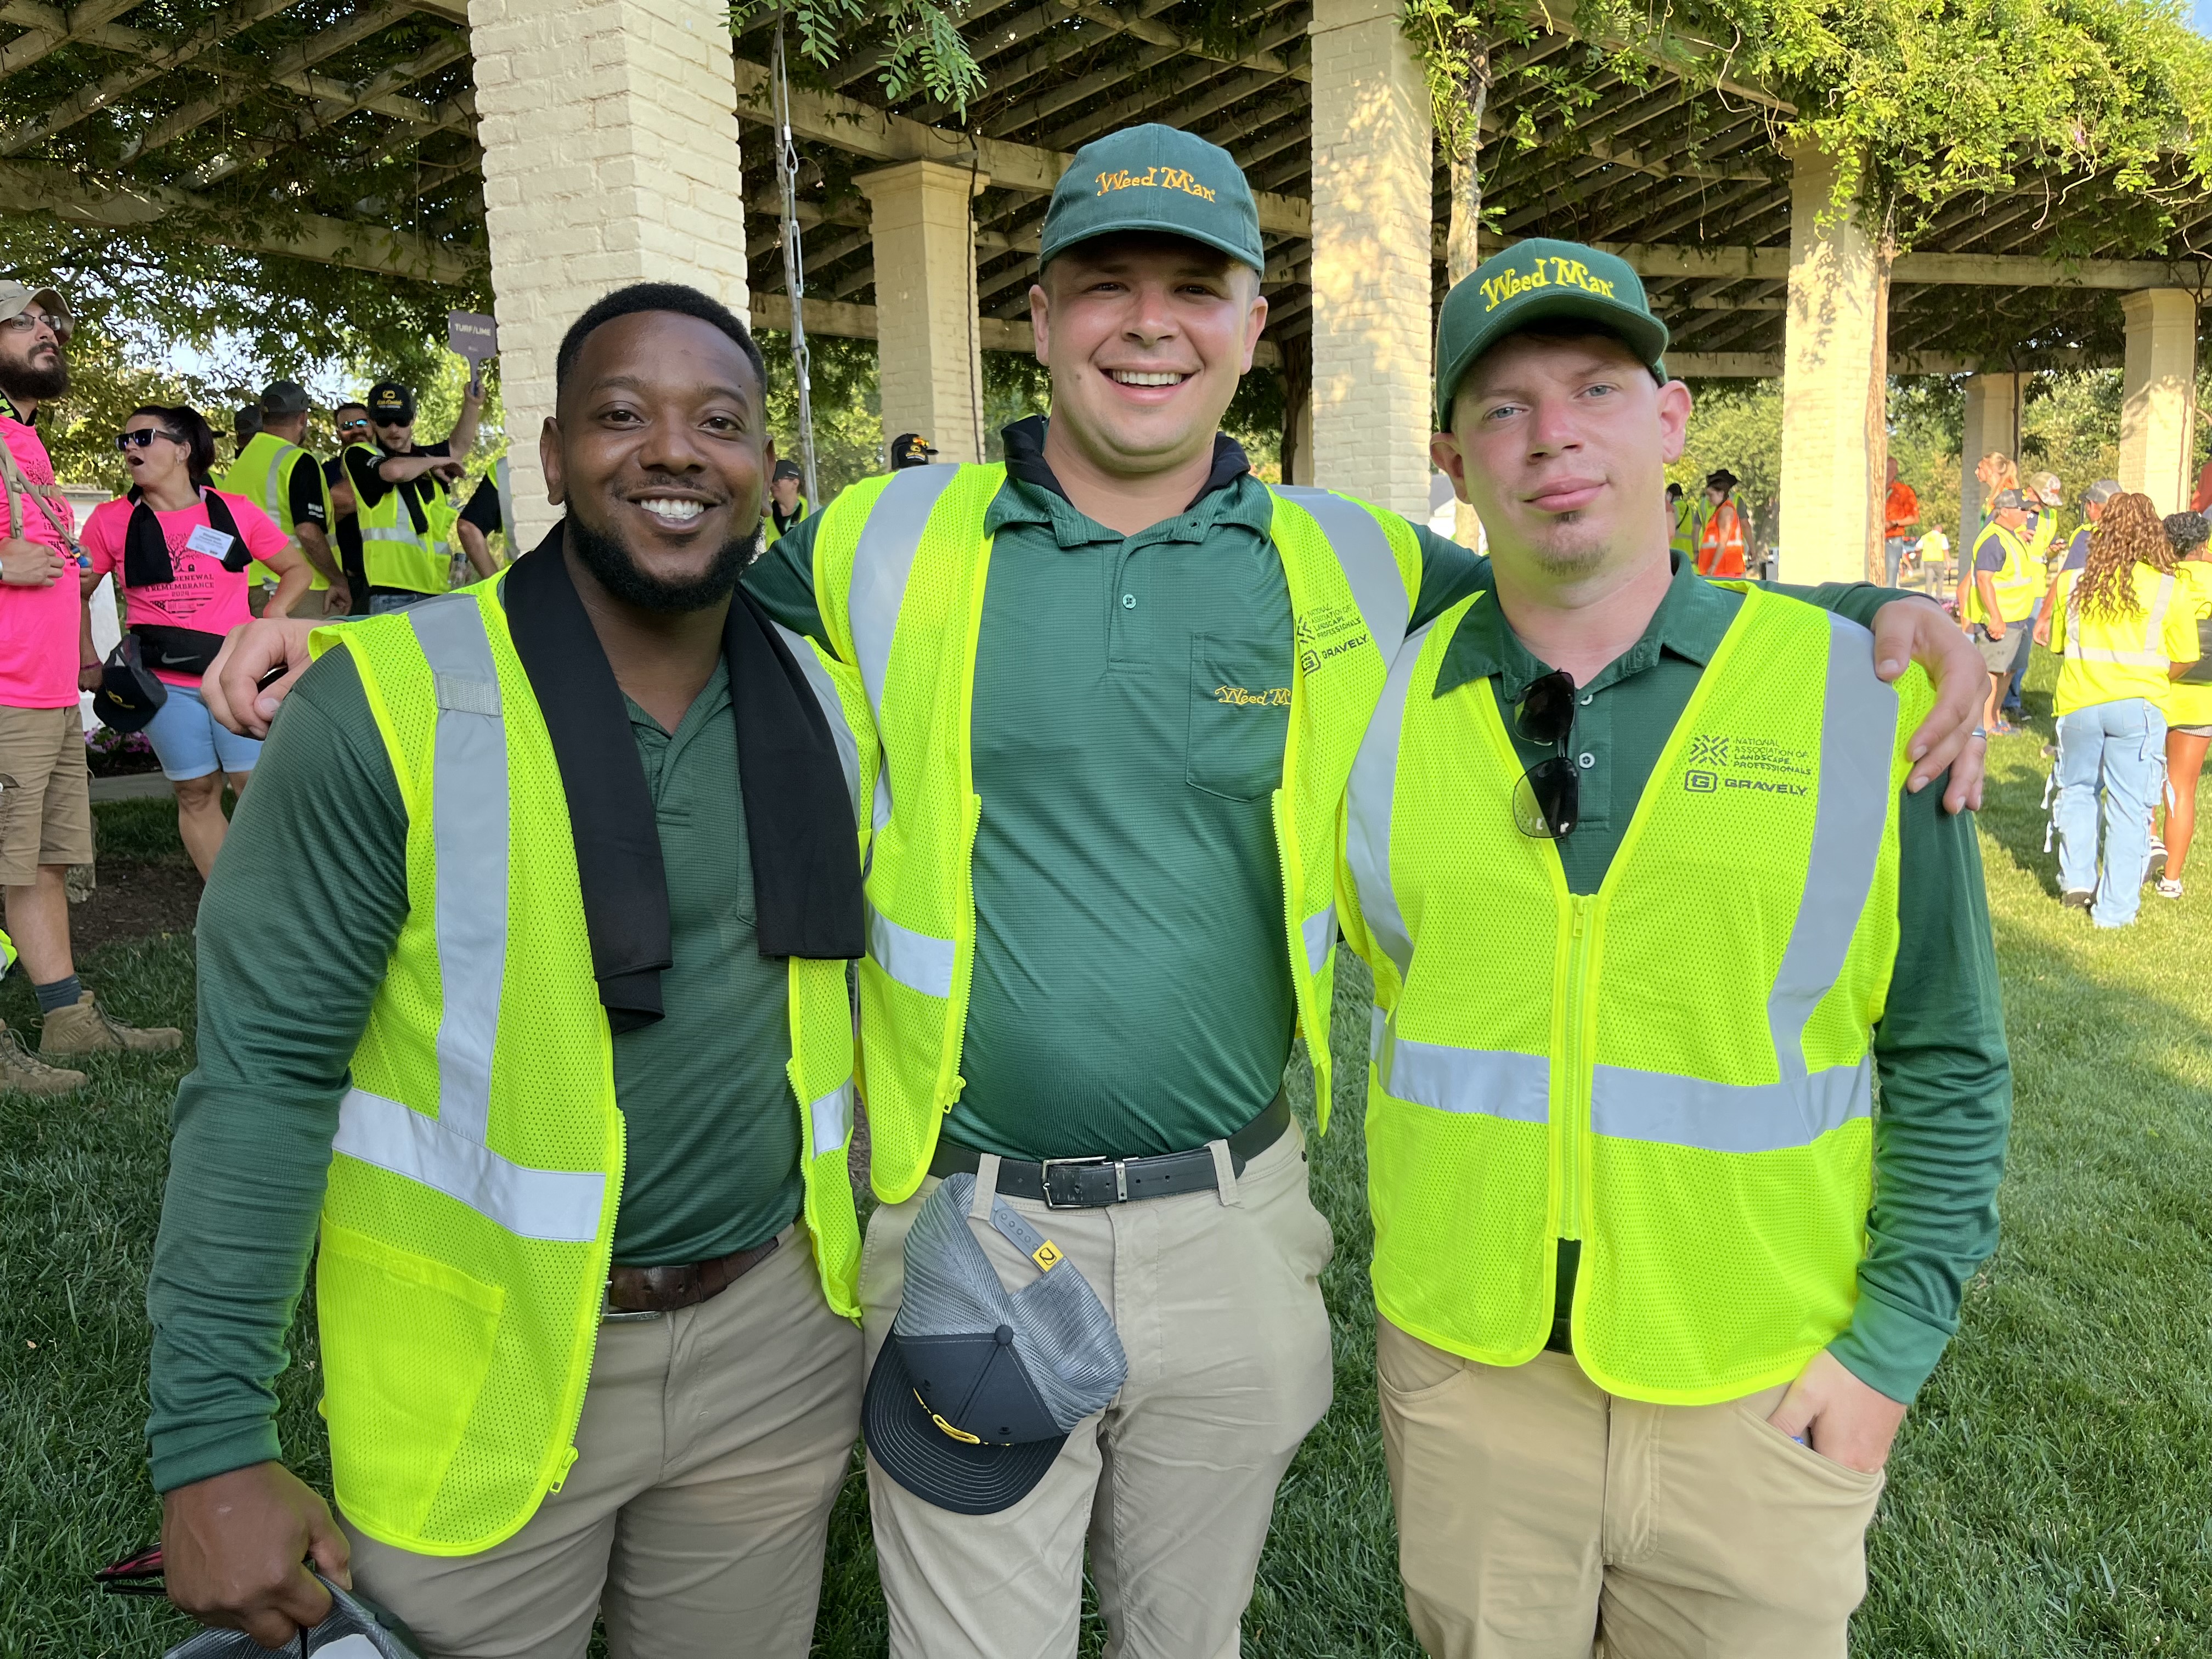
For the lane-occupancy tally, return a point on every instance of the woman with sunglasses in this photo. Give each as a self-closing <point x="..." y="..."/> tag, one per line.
<point x="180" y="550"/>
<point x="351" y="421"/>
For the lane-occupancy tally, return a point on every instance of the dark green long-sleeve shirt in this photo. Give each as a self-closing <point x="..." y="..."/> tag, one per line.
<point x="294" y="932"/>
<point x="1939" y="1051"/>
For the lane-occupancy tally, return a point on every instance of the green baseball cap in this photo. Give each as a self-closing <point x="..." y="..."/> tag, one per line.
<point x="1533" y="280"/>
<point x="1154" y="177"/>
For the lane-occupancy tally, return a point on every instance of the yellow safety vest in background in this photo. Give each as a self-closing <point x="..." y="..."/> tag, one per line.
<point x="2110" y="658"/>
<point x="2019" y="585"/>
<point x="471" y="1212"/>
<point x="903" y="605"/>
<point x="768" y="521"/>
<point x="1684" y="541"/>
<point x="394" y="554"/>
<point x="2189" y="703"/>
<point x="262" y="473"/>
<point x="1535" y="1071"/>
<point x="2041" y="534"/>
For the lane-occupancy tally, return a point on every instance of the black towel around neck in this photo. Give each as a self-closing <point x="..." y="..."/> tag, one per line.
<point x="798" y="814"/>
<point x="146" y="562"/>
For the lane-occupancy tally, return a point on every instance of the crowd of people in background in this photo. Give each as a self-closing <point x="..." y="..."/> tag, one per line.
<point x="2126" y="601"/>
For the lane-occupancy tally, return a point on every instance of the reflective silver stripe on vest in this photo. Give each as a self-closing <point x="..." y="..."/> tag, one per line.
<point x="2149" y="657"/>
<point x="831" y="1116"/>
<point x="1370" y="566"/>
<point x="280" y="511"/>
<point x="1491" y="1082"/>
<point x="833" y="709"/>
<point x="915" y="960"/>
<point x="1858" y="735"/>
<point x="881" y="564"/>
<point x="469" y="829"/>
<point x="560" y="1205"/>
<point x="391" y="533"/>
<point x="1367" y="811"/>
<point x="1320" y="931"/>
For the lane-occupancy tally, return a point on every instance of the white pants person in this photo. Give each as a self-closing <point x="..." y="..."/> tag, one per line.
<point x="1217" y="1298"/>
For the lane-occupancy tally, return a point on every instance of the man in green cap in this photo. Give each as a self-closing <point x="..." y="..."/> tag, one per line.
<point x="1118" y="685"/>
<point x="1654" y="1290"/>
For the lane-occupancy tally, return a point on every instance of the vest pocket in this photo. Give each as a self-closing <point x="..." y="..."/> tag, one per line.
<point x="1240" y="715"/>
<point x="407" y="1342"/>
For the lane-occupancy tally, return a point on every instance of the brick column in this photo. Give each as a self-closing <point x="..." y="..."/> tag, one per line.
<point x="1992" y="424"/>
<point x="1373" y="172"/>
<point x="2157" y="416"/>
<point x="610" y="157"/>
<point x="1834" y="386"/>
<point x="928" y="347"/>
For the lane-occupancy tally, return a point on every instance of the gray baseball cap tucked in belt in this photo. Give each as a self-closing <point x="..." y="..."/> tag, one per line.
<point x="978" y="1387"/>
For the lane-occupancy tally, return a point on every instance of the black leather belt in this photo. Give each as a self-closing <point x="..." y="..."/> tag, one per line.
<point x="1090" y="1183"/>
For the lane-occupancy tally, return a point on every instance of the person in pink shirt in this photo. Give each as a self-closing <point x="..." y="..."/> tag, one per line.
<point x="179" y="549"/>
<point x="45" y="657"/>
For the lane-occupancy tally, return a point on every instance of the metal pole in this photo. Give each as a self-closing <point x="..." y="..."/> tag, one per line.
<point x="795" y="272"/>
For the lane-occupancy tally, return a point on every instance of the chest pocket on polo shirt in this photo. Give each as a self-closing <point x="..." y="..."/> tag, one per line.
<point x="1239" y="714"/>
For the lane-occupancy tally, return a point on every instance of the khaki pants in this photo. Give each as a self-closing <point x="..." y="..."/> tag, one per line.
<point x="46" y="793"/>
<point x="1537" y="1513"/>
<point x="712" y="1443"/>
<point x="1217" y="1300"/>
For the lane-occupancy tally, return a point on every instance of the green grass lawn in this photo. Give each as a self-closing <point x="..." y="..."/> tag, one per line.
<point x="2052" y="1494"/>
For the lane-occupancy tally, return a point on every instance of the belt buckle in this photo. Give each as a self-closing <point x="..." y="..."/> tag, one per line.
<point x="1120" y="1182"/>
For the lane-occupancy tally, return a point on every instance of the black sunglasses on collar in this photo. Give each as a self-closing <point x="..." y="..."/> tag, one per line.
<point x="1547" y="801"/>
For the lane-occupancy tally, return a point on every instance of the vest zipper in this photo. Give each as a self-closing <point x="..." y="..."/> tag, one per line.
<point x="1574" y="1127"/>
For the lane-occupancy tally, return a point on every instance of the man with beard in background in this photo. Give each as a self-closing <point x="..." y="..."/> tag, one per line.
<point x="47" y="657"/>
<point x="579" y="1000"/>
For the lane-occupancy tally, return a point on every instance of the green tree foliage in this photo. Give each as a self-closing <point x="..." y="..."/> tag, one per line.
<point x="848" y="422"/>
<point x="916" y="42"/>
<point x="1921" y="101"/>
<point x="137" y="298"/>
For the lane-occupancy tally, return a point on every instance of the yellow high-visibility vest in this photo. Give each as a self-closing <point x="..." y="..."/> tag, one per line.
<point x="1536" y="1072"/>
<point x="395" y="554"/>
<point x="903" y="603"/>
<point x="263" y="473"/>
<point x="768" y="521"/>
<point x="1683" y="543"/>
<point x="2187" y="701"/>
<point x="468" y="1223"/>
<point x="2019" y="585"/>
<point x="2109" y="659"/>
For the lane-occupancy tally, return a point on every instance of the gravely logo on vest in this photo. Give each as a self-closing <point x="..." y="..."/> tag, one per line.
<point x="1327" y="631"/>
<point x="1717" y="761"/>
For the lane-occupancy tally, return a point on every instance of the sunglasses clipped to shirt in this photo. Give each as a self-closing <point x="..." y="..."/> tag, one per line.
<point x="1547" y="801"/>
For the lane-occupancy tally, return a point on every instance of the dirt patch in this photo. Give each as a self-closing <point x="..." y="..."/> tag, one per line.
<point x="135" y="897"/>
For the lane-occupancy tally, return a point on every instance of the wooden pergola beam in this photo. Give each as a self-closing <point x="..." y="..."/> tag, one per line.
<point x="861" y="129"/>
<point x="27" y="187"/>
<point x="50" y="33"/>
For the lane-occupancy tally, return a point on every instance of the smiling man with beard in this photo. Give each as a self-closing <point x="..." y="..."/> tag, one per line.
<point x="555" y="1081"/>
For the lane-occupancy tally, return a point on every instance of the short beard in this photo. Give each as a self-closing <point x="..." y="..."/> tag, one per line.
<point x="609" y="562"/>
<point x="1571" y="554"/>
<point x="37" y="385"/>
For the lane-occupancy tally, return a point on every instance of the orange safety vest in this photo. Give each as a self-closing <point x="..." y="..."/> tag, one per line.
<point x="1720" y="549"/>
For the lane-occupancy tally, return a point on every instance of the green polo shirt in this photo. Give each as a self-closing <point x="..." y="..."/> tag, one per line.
<point x="291" y="951"/>
<point x="1131" y="992"/>
<point x="1939" y="1052"/>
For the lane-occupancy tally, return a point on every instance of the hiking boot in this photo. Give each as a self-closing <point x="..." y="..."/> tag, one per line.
<point x="87" y="1029"/>
<point x="23" y="1073"/>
